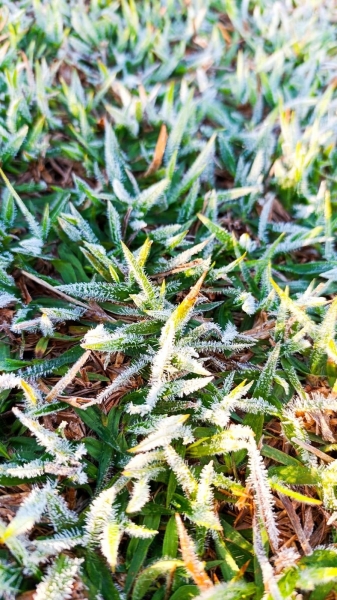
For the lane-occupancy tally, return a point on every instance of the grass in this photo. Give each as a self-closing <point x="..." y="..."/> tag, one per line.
<point x="168" y="278"/>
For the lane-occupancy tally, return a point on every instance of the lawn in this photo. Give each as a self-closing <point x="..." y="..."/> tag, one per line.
<point x="168" y="294"/>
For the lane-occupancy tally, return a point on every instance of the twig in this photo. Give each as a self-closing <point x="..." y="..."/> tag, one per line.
<point x="296" y="524"/>
<point x="313" y="450"/>
<point x="53" y="289"/>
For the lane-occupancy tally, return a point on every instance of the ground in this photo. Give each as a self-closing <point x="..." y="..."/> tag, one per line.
<point x="168" y="299"/>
